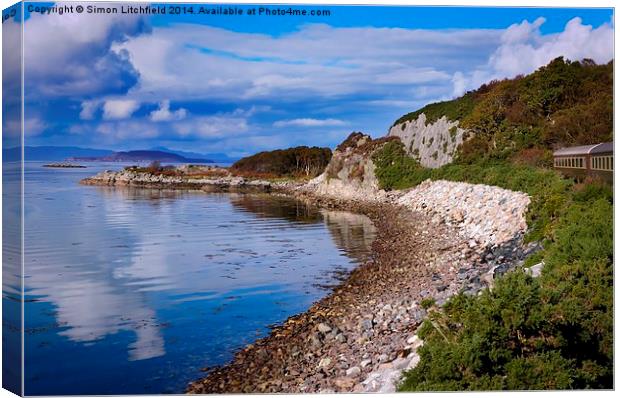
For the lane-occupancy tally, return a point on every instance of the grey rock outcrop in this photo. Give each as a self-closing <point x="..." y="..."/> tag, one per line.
<point x="351" y="171"/>
<point x="433" y="144"/>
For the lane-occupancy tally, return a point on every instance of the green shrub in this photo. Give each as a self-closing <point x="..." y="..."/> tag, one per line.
<point x="291" y="162"/>
<point x="453" y="110"/>
<point x="551" y="332"/>
<point x="563" y="103"/>
<point x="427" y="303"/>
<point x="554" y="331"/>
<point x="395" y="169"/>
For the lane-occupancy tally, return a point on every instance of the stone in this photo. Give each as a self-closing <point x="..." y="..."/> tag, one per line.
<point x="400" y="363"/>
<point x="365" y="363"/>
<point x="414" y="340"/>
<point x="344" y="383"/>
<point x="325" y="363"/>
<point x="535" y="270"/>
<point x="353" y="371"/>
<point x="323" y="328"/>
<point x="315" y="341"/>
<point x="414" y="362"/>
<point x="366" y="324"/>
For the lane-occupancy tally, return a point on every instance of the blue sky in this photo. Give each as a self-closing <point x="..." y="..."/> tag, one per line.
<point x="247" y="83"/>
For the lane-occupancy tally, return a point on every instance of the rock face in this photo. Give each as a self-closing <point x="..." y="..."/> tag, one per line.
<point x="433" y="144"/>
<point x="351" y="171"/>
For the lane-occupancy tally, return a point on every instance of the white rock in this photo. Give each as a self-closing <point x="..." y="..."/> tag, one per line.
<point x="323" y="328"/>
<point x="354" y="371"/>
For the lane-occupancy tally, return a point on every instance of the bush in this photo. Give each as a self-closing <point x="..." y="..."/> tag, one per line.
<point x="563" y="103"/>
<point x="293" y="162"/>
<point x="395" y="169"/>
<point x="454" y="110"/>
<point x="551" y="332"/>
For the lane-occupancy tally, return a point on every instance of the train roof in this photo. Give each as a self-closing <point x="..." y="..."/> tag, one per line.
<point x="603" y="147"/>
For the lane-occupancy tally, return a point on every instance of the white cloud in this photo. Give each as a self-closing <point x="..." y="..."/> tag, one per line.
<point x="163" y="114"/>
<point x="113" y="132"/>
<point x="118" y="128"/>
<point x="33" y="126"/>
<point x="119" y="108"/>
<point x="523" y="49"/>
<point x="308" y="122"/>
<point x="88" y="109"/>
<point x="184" y="61"/>
<point x="69" y="54"/>
<point x="214" y="126"/>
<point x="460" y="84"/>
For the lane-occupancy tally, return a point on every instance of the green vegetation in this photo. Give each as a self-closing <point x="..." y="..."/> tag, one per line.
<point x="396" y="170"/>
<point x="453" y="130"/>
<point x="427" y="303"/>
<point x="295" y="162"/>
<point x="550" y="332"/>
<point x="453" y="110"/>
<point x="564" y="103"/>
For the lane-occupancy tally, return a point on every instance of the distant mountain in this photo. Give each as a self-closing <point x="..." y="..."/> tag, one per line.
<point x="59" y="153"/>
<point x="140" y="156"/>
<point x="216" y="157"/>
<point x="52" y="153"/>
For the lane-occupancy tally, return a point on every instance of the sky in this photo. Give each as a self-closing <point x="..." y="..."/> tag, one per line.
<point x="243" y="84"/>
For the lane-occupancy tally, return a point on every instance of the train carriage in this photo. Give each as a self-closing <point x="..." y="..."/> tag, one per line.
<point x="587" y="160"/>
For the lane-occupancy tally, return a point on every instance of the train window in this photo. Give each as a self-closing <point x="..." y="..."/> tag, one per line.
<point x="603" y="163"/>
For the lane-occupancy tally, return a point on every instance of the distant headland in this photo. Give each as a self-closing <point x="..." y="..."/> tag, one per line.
<point x="140" y="156"/>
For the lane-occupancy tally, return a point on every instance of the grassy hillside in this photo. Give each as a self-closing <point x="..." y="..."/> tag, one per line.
<point x="551" y="332"/>
<point x="564" y="103"/>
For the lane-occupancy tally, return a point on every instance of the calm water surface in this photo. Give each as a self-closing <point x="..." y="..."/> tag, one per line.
<point x="137" y="290"/>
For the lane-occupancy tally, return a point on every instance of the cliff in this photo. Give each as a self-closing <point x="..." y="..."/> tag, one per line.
<point x="432" y="144"/>
<point x="350" y="173"/>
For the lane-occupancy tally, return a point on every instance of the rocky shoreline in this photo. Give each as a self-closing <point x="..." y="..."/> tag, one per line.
<point x="432" y="241"/>
<point x="215" y="181"/>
